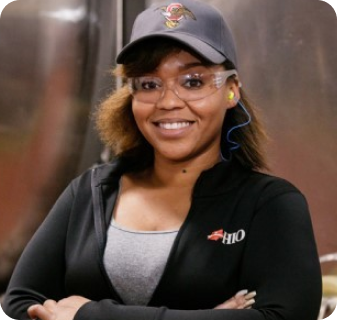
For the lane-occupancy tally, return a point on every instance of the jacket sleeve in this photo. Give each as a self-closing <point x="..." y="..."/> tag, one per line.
<point x="39" y="275"/>
<point x="280" y="262"/>
<point x="281" y="259"/>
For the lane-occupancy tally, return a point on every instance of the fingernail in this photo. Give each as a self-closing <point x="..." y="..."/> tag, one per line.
<point x="242" y="293"/>
<point x="250" y="295"/>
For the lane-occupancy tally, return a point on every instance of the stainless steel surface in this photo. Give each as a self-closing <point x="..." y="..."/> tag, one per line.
<point x="55" y="67"/>
<point x="329" y="270"/>
<point x="48" y="53"/>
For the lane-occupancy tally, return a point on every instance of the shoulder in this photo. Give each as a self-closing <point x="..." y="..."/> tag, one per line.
<point x="279" y="201"/>
<point x="272" y="184"/>
<point x="97" y="175"/>
<point x="241" y="181"/>
<point x="260" y="188"/>
<point x="271" y="187"/>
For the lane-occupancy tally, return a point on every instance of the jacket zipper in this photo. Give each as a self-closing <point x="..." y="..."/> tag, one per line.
<point x="100" y="230"/>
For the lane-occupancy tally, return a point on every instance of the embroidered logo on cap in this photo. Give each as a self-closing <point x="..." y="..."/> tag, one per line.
<point x="227" y="238"/>
<point x="174" y="13"/>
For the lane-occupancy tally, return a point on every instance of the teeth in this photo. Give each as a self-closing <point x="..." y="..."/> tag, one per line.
<point x="173" y="125"/>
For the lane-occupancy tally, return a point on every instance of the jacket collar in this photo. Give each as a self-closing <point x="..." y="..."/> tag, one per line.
<point x="221" y="178"/>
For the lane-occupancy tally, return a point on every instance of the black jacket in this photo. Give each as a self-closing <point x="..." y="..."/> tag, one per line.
<point x="268" y="246"/>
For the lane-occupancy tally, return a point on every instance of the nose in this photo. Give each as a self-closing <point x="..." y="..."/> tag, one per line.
<point x="170" y="100"/>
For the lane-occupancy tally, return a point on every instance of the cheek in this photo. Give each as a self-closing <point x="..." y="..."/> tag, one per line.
<point x="136" y="110"/>
<point x="139" y="113"/>
<point x="212" y="109"/>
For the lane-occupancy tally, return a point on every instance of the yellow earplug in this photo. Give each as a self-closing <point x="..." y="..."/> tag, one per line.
<point x="231" y="95"/>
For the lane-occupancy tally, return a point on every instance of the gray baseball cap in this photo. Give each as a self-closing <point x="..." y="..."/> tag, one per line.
<point x="198" y="25"/>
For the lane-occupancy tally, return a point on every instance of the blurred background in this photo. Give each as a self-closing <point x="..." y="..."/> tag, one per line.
<point x="56" y="58"/>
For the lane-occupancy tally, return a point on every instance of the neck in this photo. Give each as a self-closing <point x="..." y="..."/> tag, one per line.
<point x="180" y="174"/>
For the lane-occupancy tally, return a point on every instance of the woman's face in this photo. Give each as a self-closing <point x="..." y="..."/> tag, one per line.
<point x="182" y="130"/>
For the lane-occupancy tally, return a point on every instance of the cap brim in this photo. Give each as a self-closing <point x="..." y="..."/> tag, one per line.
<point x="200" y="47"/>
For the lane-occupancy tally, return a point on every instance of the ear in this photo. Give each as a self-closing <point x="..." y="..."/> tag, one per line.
<point x="233" y="93"/>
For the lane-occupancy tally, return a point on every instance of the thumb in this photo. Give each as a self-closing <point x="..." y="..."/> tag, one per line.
<point x="40" y="312"/>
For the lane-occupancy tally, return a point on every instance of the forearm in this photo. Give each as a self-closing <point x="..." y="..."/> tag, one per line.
<point x="39" y="273"/>
<point x="107" y="310"/>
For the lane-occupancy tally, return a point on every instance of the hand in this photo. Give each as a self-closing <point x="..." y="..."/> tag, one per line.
<point x="242" y="300"/>
<point x="64" y="309"/>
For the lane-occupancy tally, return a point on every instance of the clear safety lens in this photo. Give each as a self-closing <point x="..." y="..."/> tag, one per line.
<point x="188" y="87"/>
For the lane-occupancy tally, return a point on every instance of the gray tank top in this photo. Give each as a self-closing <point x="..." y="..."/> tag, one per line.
<point x="135" y="261"/>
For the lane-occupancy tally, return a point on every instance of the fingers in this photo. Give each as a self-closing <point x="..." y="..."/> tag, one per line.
<point x="244" y="299"/>
<point x="232" y="303"/>
<point x="250" y="295"/>
<point x="241" y="293"/>
<point x="43" y="312"/>
<point x="40" y="312"/>
<point x="50" y="304"/>
<point x="249" y="299"/>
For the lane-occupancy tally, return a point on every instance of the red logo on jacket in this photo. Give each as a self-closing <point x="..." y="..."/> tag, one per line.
<point x="216" y="235"/>
<point x="227" y="238"/>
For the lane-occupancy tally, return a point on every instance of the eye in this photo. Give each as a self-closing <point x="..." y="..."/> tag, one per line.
<point x="146" y="83"/>
<point x="192" y="81"/>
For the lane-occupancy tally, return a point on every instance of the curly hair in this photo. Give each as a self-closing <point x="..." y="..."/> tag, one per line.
<point x="118" y="130"/>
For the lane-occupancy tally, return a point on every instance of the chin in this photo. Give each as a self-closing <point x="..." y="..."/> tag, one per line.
<point x="175" y="156"/>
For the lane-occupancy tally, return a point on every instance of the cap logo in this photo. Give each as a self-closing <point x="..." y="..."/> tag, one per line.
<point x="174" y="13"/>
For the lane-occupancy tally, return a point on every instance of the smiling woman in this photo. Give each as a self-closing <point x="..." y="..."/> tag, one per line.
<point x="116" y="121"/>
<point x="160" y="122"/>
<point x="181" y="224"/>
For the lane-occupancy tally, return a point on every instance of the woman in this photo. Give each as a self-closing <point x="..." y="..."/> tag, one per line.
<point x="182" y="220"/>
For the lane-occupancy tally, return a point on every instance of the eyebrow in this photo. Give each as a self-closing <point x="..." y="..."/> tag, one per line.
<point x="191" y="65"/>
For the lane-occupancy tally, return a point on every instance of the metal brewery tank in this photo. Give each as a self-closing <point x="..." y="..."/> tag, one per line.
<point x="50" y="55"/>
<point x="55" y="67"/>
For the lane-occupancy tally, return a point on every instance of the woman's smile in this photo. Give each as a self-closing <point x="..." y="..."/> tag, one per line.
<point x="179" y="129"/>
<point x="173" y="128"/>
<point x="173" y="125"/>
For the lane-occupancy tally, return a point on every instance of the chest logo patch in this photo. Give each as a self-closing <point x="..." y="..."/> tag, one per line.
<point x="227" y="238"/>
